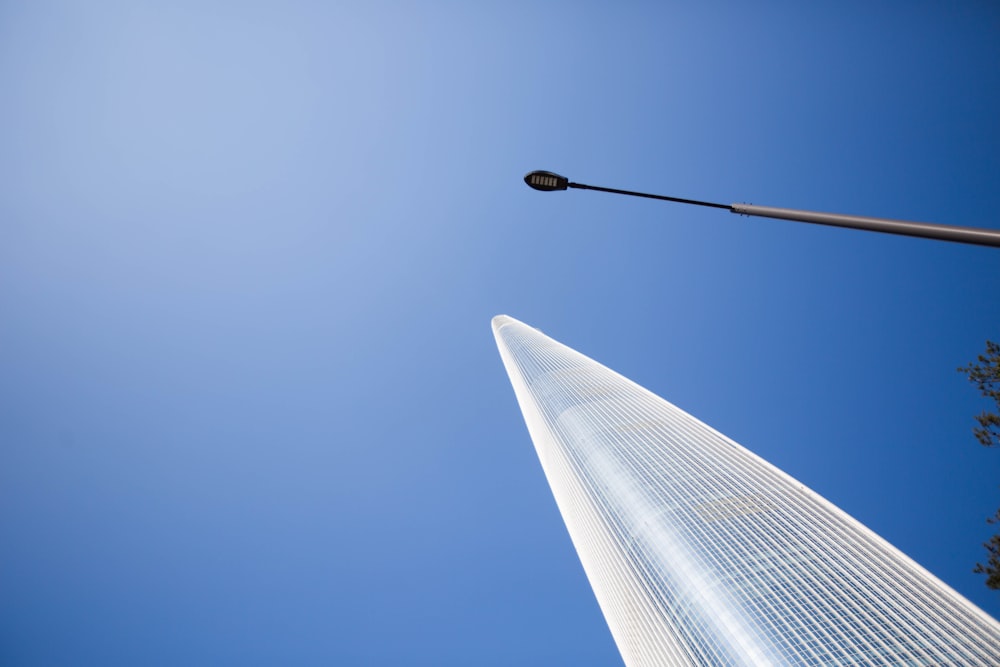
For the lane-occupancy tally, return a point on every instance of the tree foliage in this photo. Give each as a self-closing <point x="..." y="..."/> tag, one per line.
<point x="992" y="567"/>
<point x="985" y="374"/>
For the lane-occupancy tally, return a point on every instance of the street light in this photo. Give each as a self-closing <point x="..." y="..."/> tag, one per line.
<point x="547" y="181"/>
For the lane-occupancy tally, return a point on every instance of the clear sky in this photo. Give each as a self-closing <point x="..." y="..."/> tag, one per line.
<point x="251" y="409"/>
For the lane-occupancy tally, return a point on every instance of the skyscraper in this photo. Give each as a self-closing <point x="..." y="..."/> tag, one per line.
<point x="702" y="553"/>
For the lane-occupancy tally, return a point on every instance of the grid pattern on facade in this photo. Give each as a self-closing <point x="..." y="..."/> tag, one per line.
<point x="702" y="553"/>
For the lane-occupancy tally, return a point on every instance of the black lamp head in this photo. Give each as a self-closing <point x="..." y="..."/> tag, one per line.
<point x="546" y="181"/>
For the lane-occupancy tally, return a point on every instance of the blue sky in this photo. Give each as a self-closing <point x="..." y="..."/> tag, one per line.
<point x="251" y="410"/>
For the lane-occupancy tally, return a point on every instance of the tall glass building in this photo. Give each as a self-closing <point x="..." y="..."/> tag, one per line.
<point x="702" y="553"/>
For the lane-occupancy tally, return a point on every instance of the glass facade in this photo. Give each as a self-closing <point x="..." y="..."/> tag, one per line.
<point x="702" y="553"/>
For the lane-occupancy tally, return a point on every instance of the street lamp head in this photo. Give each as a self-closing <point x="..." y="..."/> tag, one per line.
<point x="546" y="181"/>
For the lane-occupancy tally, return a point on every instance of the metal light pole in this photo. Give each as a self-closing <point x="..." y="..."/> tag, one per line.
<point x="546" y="181"/>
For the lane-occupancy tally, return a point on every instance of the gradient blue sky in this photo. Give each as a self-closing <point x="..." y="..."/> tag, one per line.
<point x="251" y="410"/>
